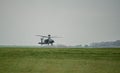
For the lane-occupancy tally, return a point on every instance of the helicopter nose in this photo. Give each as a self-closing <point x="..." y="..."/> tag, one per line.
<point x="39" y="43"/>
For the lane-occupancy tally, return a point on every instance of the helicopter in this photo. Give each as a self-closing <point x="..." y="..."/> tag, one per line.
<point x="48" y="39"/>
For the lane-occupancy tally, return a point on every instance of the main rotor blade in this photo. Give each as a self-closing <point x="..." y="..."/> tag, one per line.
<point x="42" y="36"/>
<point x="55" y="37"/>
<point x="48" y="36"/>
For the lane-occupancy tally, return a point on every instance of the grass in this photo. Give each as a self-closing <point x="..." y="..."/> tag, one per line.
<point x="59" y="60"/>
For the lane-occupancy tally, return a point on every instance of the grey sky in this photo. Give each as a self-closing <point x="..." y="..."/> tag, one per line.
<point x="77" y="21"/>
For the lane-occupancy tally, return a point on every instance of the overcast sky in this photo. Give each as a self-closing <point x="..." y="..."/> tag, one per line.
<point x="77" y="21"/>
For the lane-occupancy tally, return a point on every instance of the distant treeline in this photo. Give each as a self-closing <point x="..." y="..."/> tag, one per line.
<point x="108" y="44"/>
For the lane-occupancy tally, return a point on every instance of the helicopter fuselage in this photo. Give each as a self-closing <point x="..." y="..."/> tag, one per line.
<point x="46" y="41"/>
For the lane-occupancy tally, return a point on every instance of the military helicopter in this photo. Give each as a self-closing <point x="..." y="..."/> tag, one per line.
<point x="48" y="39"/>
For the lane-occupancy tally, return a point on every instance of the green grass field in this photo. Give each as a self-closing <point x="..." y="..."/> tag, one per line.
<point x="59" y="60"/>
